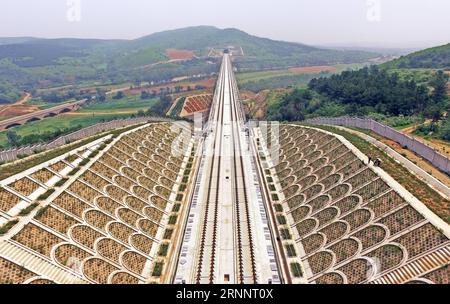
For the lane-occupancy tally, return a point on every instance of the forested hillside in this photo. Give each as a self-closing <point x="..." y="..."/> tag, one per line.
<point x="434" y="58"/>
<point x="364" y="92"/>
<point x="32" y="63"/>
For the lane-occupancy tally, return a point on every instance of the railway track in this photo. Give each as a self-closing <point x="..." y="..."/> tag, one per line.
<point x="227" y="239"/>
<point x="209" y="238"/>
<point x="245" y="245"/>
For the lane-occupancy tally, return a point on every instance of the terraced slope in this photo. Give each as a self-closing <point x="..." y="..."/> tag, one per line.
<point x="106" y="213"/>
<point x="350" y="222"/>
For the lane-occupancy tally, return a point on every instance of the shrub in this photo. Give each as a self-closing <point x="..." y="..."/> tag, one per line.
<point x="84" y="162"/>
<point x="41" y="212"/>
<point x="173" y="219"/>
<point x="168" y="234"/>
<point x="61" y="182"/>
<point x="291" y="251"/>
<point x="157" y="269"/>
<point x="28" y="209"/>
<point x="285" y="234"/>
<point x="6" y="227"/>
<point x="93" y="154"/>
<point x="296" y="270"/>
<point x="281" y="219"/>
<point x="163" y="249"/>
<point x="74" y="171"/>
<point x="44" y="196"/>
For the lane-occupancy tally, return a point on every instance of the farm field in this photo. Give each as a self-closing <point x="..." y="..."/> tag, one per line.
<point x="204" y="84"/>
<point x="313" y="69"/>
<point x="18" y="108"/>
<point x="175" y="54"/>
<point x="42" y="105"/>
<point x="58" y="123"/>
<point x="294" y="76"/>
<point x="261" y="75"/>
<point x="128" y="104"/>
<point x="87" y="116"/>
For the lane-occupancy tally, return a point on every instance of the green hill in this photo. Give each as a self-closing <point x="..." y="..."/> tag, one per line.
<point x="432" y="58"/>
<point x="32" y="63"/>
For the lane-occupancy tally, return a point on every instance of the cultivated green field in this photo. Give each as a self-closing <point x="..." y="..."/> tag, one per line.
<point x="57" y="123"/>
<point x="87" y="116"/>
<point x="257" y="81"/>
<point x="42" y="105"/>
<point x="262" y="75"/>
<point x="128" y="104"/>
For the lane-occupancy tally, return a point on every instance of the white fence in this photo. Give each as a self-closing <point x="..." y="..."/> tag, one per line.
<point x="14" y="153"/>
<point x="437" y="159"/>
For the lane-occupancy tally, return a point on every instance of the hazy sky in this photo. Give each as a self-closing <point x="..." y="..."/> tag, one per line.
<point x="374" y="22"/>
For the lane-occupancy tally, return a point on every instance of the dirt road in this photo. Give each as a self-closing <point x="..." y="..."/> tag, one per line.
<point x="20" y="102"/>
<point x="438" y="145"/>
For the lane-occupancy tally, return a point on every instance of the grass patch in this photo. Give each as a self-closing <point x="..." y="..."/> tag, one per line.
<point x="168" y="234"/>
<point x="61" y="182"/>
<point x="157" y="269"/>
<point x="285" y="234"/>
<point x="176" y="208"/>
<point x="41" y="212"/>
<point x="296" y="270"/>
<point x="94" y="153"/>
<point x="6" y="227"/>
<point x="281" y="219"/>
<point x="74" y="171"/>
<point x="179" y="197"/>
<point x="291" y="251"/>
<point x="275" y="197"/>
<point x="278" y="207"/>
<point x="173" y="219"/>
<point x="44" y="196"/>
<point x="130" y="104"/>
<point x="28" y="209"/>
<point x="163" y="249"/>
<point x="84" y="162"/>
<point x="58" y="123"/>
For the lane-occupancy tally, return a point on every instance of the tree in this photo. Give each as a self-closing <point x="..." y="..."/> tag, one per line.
<point x="119" y="95"/>
<point x="439" y="85"/>
<point x="13" y="138"/>
<point x="145" y="95"/>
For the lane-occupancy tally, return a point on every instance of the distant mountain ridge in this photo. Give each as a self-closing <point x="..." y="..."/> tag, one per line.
<point x="434" y="58"/>
<point x="198" y="39"/>
<point x="28" y="63"/>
